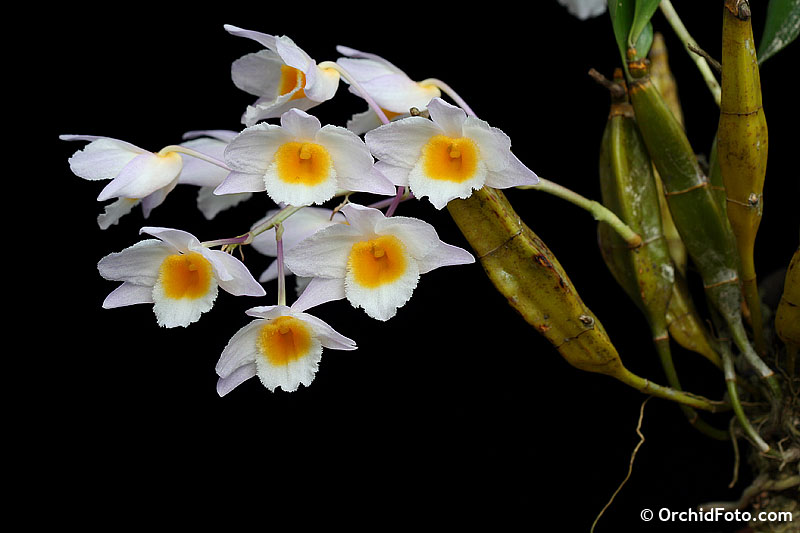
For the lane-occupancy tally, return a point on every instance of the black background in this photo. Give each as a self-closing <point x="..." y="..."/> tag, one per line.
<point x="452" y="411"/>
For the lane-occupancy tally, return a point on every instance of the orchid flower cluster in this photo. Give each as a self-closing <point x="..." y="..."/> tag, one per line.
<point x="415" y="145"/>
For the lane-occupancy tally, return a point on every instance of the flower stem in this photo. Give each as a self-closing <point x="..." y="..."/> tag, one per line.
<point x="442" y="86"/>
<point x="281" y="269"/>
<point x="598" y="210"/>
<point x="357" y="86"/>
<point x="193" y="153"/>
<point x="683" y="34"/>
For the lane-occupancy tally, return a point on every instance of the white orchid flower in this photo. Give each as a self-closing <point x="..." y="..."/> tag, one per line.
<point x="448" y="156"/>
<point x="300" y="163"/>
<point x="391" y="88"/>
<point x="135" y="173"/>
<point x="374" y="261"/>
<point x="175" y="273"/>
<point x="282" y="76"/>
<point x="283" y="347"/>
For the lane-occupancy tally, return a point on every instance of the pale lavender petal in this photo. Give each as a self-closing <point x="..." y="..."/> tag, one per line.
<point x="444" y="255"/>
<point x="101" y="159"/>
<point x="400" y="143"/>
<point x="262" y="38"/>
<point x="515" y="174"/>
<point x="241" y="182"/>
<point x="138" y="264"/>
<point x="300" y="124"/>
<point x="181" y="240"/>
<point x="128" y="294"/>
<point x="329" y="337"/>
<point x="240" y="350"/>
<point x="236" y="378"/>
<point x="325" y="253"/>
<point x="145" y="174"/>
<point x="232" y="275"/>
<point x="258" y="74"/>
<point x="448" y="117"/>
<point x="319" y="291"/>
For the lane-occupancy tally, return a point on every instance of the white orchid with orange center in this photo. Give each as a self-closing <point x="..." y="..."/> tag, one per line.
<point x="175" y="273"/>
<point x="448" y="156"/>
<point x="301" y="162"/>
<point x="283" y="76"/>
<point x="374" y="261"/>
<point x="283" y="347"/>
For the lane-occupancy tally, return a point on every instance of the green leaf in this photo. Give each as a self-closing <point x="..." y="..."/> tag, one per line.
<point x="781" y="27"/>
<point x="625" y="14"/>
<point x="643" y="12"/>
<point x="622" y="12"/>
<point x="643" y="44"/>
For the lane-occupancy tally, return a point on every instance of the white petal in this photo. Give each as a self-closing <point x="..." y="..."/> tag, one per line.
<point x="116" y="210"/>
<point x="350" y="155"/>
<point x="266" y="108"/>
<point x="224" y="136"/>
<point x="241" y="349"/>
<point x="444" y="255"/>
<point x="128" y="294"/>
<point x="202" y="173"/>
<point x="138" y="264"/>
<point x="400" y="143"/>
<point x="262" y="38"/>
<point x="374" y="181"/>
<point x="258" y="74"/>
<point x="382" y="302"/>
<point x="300" y="124"/>
<point x="397" y="175"/>
<point x="319" y="291"/>
<point x="103" y="158"/>
<point x="494" y="145"/>
<point x="438" y="191"/>
<point x="172" y="312"/>
<point x="155" y="199"/>
<point x="329" y="338"/>
<point x="448" y="117"/>
<point x="299" y="194"/>
<point x="232" y="275"/>
<point x="324" y="86"/>
<point x="515" y="174"/>
<point x="419" y="237"/>
<point x="239" y="376"/>
<point x="361" y="123"/>
<point x="290" y="376"/>
<point x="179" y="239"/>
<point x="241" y="183"/>
<point x="253" y="150"/>
<point x="324" y="254"/>
<point x="143" y="175"/>
<point x="352" y="52"/>
<point x="584" y="9"/>
<point x="211" y="204"/>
